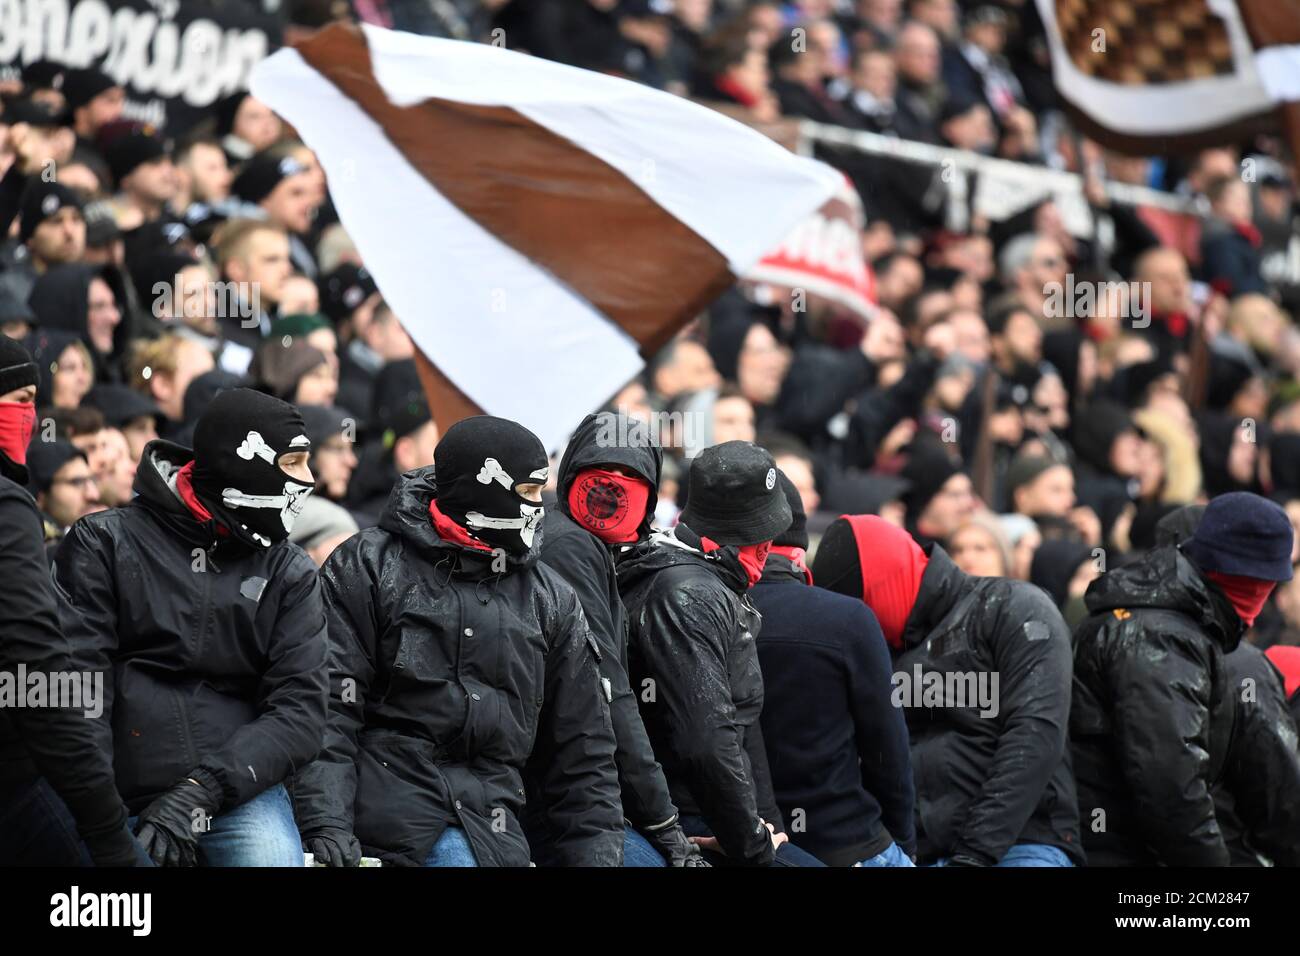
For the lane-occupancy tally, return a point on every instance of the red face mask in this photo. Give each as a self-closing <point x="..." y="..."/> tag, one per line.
<point x="609" y="505"/>
<point x="1246" y="594"/>
<point x="17" y="422"/>
<point x="798" y="557"/>
<point x="752" y="557"/>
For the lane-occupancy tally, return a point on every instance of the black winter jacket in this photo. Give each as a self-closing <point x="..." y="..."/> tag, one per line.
<point x="1153" y="713"/>
<point x="585" y="562"/>
<point x="214" y="653"/>
<point x="837" y="745"/>
<point x="447" y="671"/>
<point x="694" y="666"/>
<point x="986" y="781"/>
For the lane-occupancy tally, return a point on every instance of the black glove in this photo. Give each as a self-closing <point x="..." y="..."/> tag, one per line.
<point x="333" y="846"/>
<point x="960" y="860"/>
<point x="169" y="828"/>
<point x="670" y="840"/>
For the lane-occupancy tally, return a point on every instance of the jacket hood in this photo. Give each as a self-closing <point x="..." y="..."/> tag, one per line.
<point x="60" y="300"/>
<point x="1166" y="579"/>
<point x="942" y="585"/>
<point x="407" y="515"/>
<point x="667" y="549"/>
<point x="611" y="438"/>
<point x="156" y="490"/>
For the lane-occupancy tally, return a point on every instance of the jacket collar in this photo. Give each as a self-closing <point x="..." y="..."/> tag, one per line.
<point x="780" y="569"/>
<point x="942" y="585"/>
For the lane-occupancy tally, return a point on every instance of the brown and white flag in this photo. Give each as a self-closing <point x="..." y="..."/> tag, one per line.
<point x="1163" y="76"/>
<point x="538" y="228"/>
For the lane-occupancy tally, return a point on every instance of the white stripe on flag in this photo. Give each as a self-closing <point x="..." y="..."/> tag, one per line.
<point x="511" y="337"/>
<point x="1279" y="68"/>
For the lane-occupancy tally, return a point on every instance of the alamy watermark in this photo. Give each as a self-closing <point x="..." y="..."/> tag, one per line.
<point x="211" y="299"/>
<point x="1086" y="300"/>
<point x="957" y="689"/>
<point x="63" y="690"/>
<point x="662" y="430"/>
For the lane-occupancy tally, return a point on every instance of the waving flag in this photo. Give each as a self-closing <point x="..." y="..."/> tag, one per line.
<point x="538" y="228"/>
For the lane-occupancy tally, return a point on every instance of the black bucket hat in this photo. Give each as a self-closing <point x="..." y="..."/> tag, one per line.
<point x="734" y="495"/>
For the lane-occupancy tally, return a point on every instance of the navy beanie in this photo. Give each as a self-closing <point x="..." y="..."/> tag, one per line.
<point x="1244" y="534"/>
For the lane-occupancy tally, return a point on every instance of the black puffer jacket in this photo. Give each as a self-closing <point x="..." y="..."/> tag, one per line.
<point x="447" y="673"/>
<point x="1153" y="713"/>
<point x="214" y="653"/>
<point x="1258" y="801"/>
<point x="693" y="661"/>
<point x="585" y="562"/>
<point x="985" y="781"/>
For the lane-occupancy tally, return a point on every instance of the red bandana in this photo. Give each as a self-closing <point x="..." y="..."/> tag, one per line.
<point x="752" y="557"/>
<point x="17" y="421"/>
<point x="892" y="567"/>
<point x="797" y="557"/>
<point x="609" y="505"/>
<point x="448" y="530"/>
<point x="1246" y="594"/>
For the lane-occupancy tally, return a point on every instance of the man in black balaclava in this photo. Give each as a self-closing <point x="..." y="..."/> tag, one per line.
<point x="461" y="659"/>
<point x="205" y="731"/>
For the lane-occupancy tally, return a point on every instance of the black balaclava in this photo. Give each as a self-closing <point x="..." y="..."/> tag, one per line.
<point x="477" y="465"/>
<point x="237" y="445"/>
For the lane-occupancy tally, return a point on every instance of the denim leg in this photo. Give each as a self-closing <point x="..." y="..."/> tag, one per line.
<point x="452" y="849"/>
<point x="36" y="829"/>
<point x="787" y="854"/>
<point x="258" y="832"/>
<point x="1035" y="854"/>
<point x="637" y="850"/>
<point x="892" y="855"/>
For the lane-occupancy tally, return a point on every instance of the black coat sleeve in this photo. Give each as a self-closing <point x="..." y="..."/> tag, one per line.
<point x="884" y="750"/>
<point x="574" y="749"/>
<point x="764" y="793"/>
<point x="582" y="562"/>
<point x="292" y="697"/>
<point x="684" y="646"/>
<point x="324" y="792"/>
<point x="70" y="746"/>
<point x="821" y="380"/>
<point x="1162" y="729"/>
<point x="1032" y="656"/>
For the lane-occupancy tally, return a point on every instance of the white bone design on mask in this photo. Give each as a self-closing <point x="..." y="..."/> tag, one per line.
<point x="529" y="521"/>
<point x="541" y="474"/>
<point x="255" y="445"/>
<point x="299" y="441"/>
<point x="492" y="471"/>
<point x="289" y="504"/>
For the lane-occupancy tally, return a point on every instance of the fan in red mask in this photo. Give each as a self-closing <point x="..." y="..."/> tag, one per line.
<point x="609" y="504"/>
<point x="17" y="408"/>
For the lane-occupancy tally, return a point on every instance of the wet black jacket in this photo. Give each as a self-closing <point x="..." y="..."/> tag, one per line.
<point x="214" y="653"/>
<point x="986" y="781"/>
<point x="56" y="742"/>
<point x="447" y="673"/>
<point x="585" y="562"/>
<point x="1153" y="713"/>
<point x="837" y="746"/>
<point x="693" y="663"/>
<point x="1258" y="801"/>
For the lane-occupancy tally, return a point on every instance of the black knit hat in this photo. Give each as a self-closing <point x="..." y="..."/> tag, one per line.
<point x="399" y="405"/>
<point x="928" y="468"/>
<point x="733" y="496"/>
<point x="261" y="174"/>
<point x="325" y="421"/>
<point x="120" y="405"/>
<point x="45" y="458"/>
<point x="82" y="86"/>
<point x="13" y="307"/>
<point x="1243" y="534"/>
<point x="795" y="536"/>
<point x="345" y="288"/>
<point x="130" y="150"/>
<point x="40" y="201"/>
<point x="34" y="113"/>
<point x="17" y="370"/>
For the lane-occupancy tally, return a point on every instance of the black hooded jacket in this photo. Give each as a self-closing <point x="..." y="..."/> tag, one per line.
<point x="1153" y="713"/>
<point x="585" y="562"/>
<point x="985" y="781"/>
<point x="60" y="299"/>
<point x="451" y="669"/>
<point x="213" y="653"/>
<point x="693" y="662"/>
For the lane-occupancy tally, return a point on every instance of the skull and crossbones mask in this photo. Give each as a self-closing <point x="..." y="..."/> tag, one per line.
<point x="479" y="465"/>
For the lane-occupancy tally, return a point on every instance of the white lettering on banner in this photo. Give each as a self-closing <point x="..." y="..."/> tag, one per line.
<point x="144" y="50"/>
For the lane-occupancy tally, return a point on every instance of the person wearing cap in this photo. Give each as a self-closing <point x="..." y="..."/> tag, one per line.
<point x="982" y="674"/>
<point x="58" y="799"/>
<point x="245" y="125"/>
<point x="837" y="746"/>
<point x="459" y="659"/>
<point x="141" y="163"/>
<point x="606" y="497"/>
<point x="203" y="736"/>
<point x="692" y="657"/>
<point x="280" y="186"/>
<point x="64" y="485"/>
<point x="129" y="412"/>
<point x="16" y="316"/>
<point x="311" y="327"/>
<point x="333" y="436"/>
<point x="94" y="98"/>
<point x="1152" y="722"/>
<point x="51" y="224"/>
<point x="939" y="495"/>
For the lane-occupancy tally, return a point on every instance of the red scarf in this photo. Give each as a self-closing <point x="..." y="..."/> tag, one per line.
<point x="185" y="488"/>
<point x="797" y="557"/>
<point x="752" y="557"/>
<point x="731" y="87"/>
<point x="892" y="567"/>
<point x="1246" y="594"/>
<point x="1286" y="659"/>
<point x="1248" y="232"/>
<point x="17" y="422"/>
<point x="609" y="505"/>
<point x="448" y="530"/>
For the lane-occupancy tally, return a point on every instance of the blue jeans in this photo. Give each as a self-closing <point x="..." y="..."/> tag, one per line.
<point x="787" y="854"/>
<point x="637" y="850"/>
<point x="36" y="829"/>
<point x="258" y="832"/>
<point x="452" y="849"/>
<point x="1029" y="854"/>
<point x="892" y="855"/>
